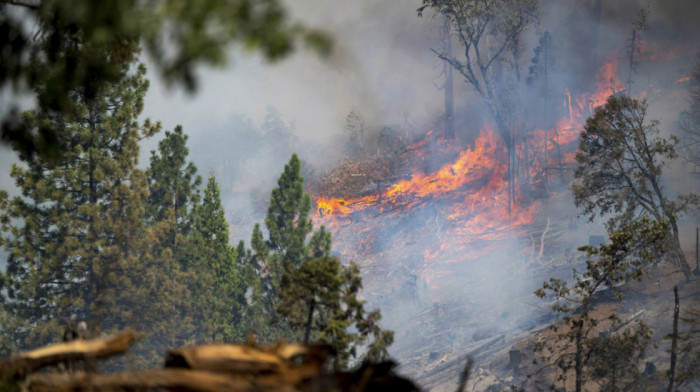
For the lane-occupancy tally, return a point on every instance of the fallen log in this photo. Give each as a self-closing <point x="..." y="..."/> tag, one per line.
<point x="169" y="379"/>
<point x="369" y="377"/>
<point x="26" y="362"/>
<point x="290" y="362"/>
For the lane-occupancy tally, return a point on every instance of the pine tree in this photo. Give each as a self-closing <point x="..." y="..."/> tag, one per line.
<point x="79" y="248"/>
<point x="299" y="292"/>
<point x="173" y="186"/>
<point x="288" y="224"/>
<point x="218" y="297"/>
<point x="539" y="77"/>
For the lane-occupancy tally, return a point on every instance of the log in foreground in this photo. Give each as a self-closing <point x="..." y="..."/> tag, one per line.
<point x="207" y="368"/>
<point x="369" y="377"/>
<point x="169" y="379"/>
<point x="289" y="362"/>
<point x="76" y="350"/>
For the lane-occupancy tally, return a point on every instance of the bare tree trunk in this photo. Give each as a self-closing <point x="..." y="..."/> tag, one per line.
<point x="309" y="321"/>
<point x="449" y="85"/>
<point x="546" y="120"/>
<point x="674" y="341"/>
<point x="578" y="365"/>
<point x="677" y="252"/>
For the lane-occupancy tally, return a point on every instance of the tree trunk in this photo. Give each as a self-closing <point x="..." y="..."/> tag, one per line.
<point x="546" y="120"/>
<point x="674" y="341"/>
<point x="309" y="321"/>
<point x="676" y="252"/>
<point x="578" y="365"/>
<point x="449" y="85"/>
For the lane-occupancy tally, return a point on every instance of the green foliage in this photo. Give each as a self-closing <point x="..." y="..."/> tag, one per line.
<point x="218" y="297"/>
<point x="173" y="192"/>
<point x="287" y="220"/>
<point x="627" y="256"/>
<point x="614" y="360"/>
<point x="79" y="248"/>
<point x="85" y="45"/>
<point x="297" y="291"/>
<point x="320" y="297"/>
<point x="620" y="162"/>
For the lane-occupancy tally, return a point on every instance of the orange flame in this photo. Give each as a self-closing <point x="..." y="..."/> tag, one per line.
<point x="474" y="188"/>
<point x="471" y="165"/>
<point x="682" y="80"/>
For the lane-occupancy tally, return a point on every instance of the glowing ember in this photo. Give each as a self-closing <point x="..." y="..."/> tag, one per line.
<point x="682" y="80"/>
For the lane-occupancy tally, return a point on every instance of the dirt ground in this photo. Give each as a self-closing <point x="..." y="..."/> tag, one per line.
<point x="504" y="361"/>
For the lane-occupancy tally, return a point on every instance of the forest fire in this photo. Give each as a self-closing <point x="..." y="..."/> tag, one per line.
<point x="461" y="211"/>
<point x="473" y="188"/>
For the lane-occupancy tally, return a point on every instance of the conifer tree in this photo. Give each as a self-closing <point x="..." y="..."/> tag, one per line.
<point x="173" y="186"/>
<point x="288" y="225"/>
<point x="218" y="297"/>
<point x="78" y="245"/>
<point x="299" y="292"/>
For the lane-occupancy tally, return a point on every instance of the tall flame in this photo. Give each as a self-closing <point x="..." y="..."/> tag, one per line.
<point x="469" y="194"/>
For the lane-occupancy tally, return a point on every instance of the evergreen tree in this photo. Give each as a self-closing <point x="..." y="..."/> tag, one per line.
<point x="298" y="291"/>
<point x="320" y="298"/>
<point x="288" y="225"/>
<point x="287" y="221"/>
<point x="79" y="248"/>
<point x="218" y="297"/>
<point x="173" y="189"/>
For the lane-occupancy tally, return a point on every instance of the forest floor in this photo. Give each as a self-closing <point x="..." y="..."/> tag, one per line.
<point x="502" y="360"/>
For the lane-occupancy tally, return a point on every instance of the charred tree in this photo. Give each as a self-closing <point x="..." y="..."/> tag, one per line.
<point x="489" y="32"/>
<point x="633" y="47"/>
<point x="538" y="78"/>
<point x="674" y="341"/>
<point x="448" y="86"/>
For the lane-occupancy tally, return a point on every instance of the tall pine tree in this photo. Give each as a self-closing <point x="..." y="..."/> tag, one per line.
<point x="173" y="186"/>
<point x="218" y="296"/>
<point x="299" y="292"/>
<point x="78" y="245"/>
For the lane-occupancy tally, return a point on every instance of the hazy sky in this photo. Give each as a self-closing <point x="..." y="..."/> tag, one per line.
<point x="381" y="66"/>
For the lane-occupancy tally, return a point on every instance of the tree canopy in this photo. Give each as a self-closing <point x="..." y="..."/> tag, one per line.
<point x="620" y="161"/>
<point x="611" y="360"/>
<point x="79" y="246"/>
